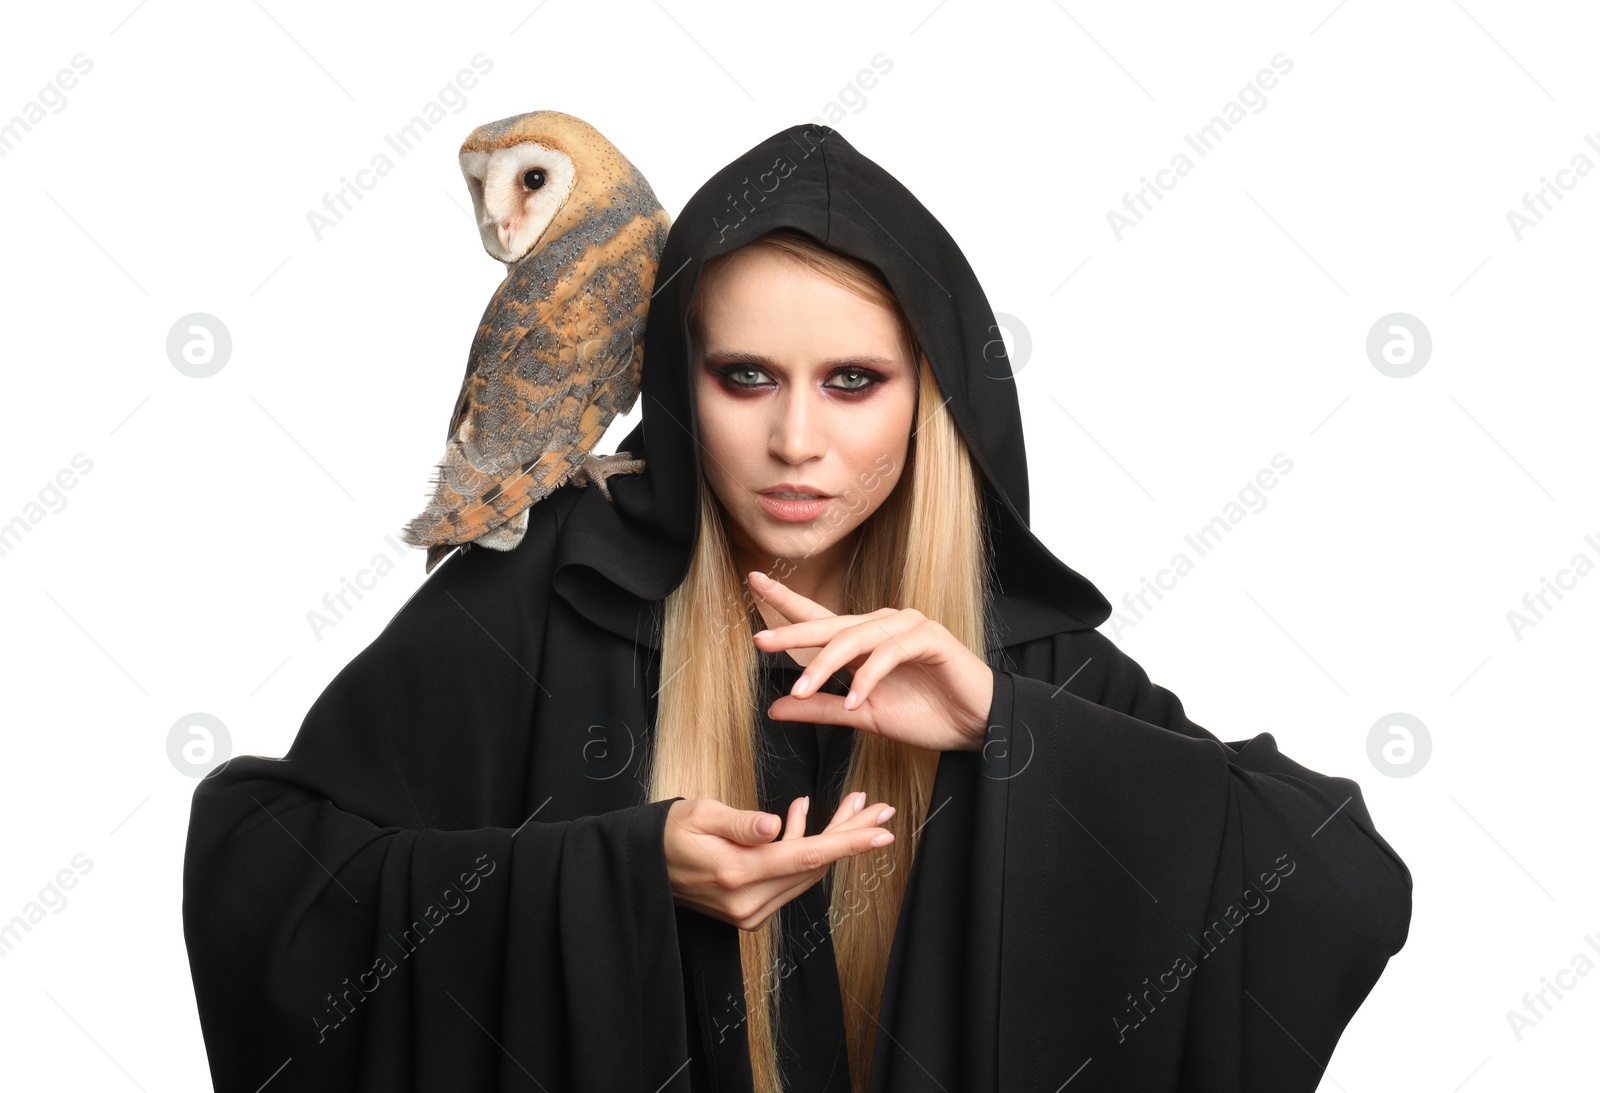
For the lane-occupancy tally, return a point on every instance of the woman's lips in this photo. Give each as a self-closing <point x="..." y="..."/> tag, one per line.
<point x="794" y="512"/>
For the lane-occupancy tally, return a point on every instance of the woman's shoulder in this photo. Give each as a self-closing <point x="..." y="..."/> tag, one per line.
<point x="536" y="550"/>
<point x="495" y="590"/>
<point x="1083" y="659"/>
<point x="1086" y="663"/>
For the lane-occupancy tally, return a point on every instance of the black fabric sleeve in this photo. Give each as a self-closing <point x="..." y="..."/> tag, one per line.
<point x="1226" y="910"/>
<point x="375" y="912"/>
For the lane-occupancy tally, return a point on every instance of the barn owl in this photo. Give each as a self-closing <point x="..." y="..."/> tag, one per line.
<point x="560" y="347"/>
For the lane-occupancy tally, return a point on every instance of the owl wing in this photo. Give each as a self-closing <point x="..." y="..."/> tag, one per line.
<point x="555" y="360"/>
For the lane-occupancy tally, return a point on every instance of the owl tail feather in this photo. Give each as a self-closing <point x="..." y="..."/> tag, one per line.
<point x="470" y="504"/>
<point x="474" y="505"/>
<point x="505" y="537"/>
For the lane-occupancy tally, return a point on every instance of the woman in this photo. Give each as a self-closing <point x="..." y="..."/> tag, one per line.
<point x="807" y="380"/>
<point x="517" y="839"/>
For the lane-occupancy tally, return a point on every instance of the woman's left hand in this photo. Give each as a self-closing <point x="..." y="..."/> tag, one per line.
<point x="914" y="681"/>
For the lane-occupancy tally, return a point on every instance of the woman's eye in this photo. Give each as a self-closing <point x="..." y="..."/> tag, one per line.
<point x="738" y="370"/>
<point x="858" y="380"/>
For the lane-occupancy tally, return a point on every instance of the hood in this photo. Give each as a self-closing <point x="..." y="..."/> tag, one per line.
<point x="616" y="558"/>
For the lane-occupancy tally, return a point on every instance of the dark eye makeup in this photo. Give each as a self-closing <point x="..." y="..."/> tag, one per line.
<point x="858" y="379"/>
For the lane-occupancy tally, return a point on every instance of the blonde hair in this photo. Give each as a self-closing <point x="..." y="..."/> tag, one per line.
<point x="926" y="546"/>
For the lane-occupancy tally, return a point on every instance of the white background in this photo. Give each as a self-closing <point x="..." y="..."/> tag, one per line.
<point x="1166" y="370"/>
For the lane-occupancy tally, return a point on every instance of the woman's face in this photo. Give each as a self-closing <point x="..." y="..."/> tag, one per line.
<point x="800" y="386"/>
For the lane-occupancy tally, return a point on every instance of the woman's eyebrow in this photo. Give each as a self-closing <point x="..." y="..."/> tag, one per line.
<point x="761" y="360"/>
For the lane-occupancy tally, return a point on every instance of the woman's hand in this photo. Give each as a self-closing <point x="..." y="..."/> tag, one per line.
<point x="721" y="864"/>
<point x="914" y="681"/>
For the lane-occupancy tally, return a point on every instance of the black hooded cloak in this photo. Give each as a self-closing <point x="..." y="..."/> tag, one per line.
<point x="453" y="881"/>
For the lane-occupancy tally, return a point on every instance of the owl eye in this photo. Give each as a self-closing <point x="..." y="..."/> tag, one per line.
<point x="534" y="178"/>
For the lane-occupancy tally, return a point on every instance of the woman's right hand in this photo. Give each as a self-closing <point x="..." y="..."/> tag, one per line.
<point x="721" y="865"/>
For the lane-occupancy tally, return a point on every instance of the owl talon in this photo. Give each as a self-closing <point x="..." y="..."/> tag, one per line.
<point x="595" y="469"/>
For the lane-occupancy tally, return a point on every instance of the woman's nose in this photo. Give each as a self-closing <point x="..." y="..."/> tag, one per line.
<point x="797" y="433"/>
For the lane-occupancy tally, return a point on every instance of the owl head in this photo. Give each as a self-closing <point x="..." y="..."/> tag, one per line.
<point x="533" y="175"/>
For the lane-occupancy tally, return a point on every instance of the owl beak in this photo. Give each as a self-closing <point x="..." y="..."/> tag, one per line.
<point x="505" y="231"/>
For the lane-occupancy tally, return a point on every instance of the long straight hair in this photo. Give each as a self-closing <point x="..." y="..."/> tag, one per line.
<point x="926" y="546"/>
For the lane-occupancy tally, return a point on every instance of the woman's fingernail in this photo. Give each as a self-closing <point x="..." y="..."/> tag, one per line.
<point x="763" y="633"/>
<point x="858" y="803"/>
<point x="886" y="813"/>
<point x="884" y="840"/>
<point x="768" y="825"/>
<point x="805" y="805"/>
<point x="802" y="685"/>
